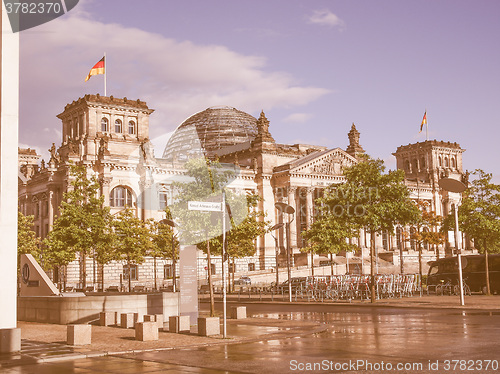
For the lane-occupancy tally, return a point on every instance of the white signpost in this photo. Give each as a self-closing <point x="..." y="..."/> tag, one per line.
<point x="205" y="206"/>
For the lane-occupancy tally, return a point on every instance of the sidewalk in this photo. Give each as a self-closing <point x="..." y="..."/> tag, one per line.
<point x="47" y="342"/>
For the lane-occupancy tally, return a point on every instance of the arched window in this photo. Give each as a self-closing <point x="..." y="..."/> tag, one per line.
<point x="446" y="162"/>
<point x="422" y="162"/>
<point x="118" y="126"/>
<point x="104" y="125"/>
<point x="415" y="165"/>
<point x="426" y="243"/>
<point x="407" y="165"/>
<point x="120" y="197"/>
<point x="440" y="161"/>
<point x="131" y="127"/>
<point x="453" y="163"/>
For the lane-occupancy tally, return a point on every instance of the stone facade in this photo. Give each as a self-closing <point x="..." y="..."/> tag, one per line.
<point x="110" y="136"/>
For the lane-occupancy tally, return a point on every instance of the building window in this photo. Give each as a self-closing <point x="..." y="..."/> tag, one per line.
<point x="104" y="125"/>
<point x="134" y="274"/>
<point x="385" y="240"/>
<point x="251" y="266"/>
<point x="168" y="271"/>
<point x="163" y="199"/>
<point x="212" y="269"/>
<point x="131" y="127"/>
<point x="118" y="126"/>
<point x="120" y="197"/>
<point x="440" y="161"/>
<point x="453" y="163"/>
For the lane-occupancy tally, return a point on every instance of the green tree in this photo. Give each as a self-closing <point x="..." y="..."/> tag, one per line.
<point x="240" y="239"/>
<point x="133" y="240"/>
<point x="83" y="225"/>
<point x="206" y="180"/>
<point x="368" y="199"/>
<point x="479" y="216"/>
<point x="27" y="241"/>
<point x="426" y="231"/>
<point x="164" y="244"/>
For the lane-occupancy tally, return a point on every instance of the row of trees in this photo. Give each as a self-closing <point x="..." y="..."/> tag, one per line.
<point x="376" y="202"/>
<point x="86" y="228"/>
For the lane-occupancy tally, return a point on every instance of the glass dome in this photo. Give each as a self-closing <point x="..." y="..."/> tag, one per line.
<point x="212" y="129"/>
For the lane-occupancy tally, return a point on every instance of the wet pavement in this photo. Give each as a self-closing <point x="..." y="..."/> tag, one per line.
<point x="304" y="338"/>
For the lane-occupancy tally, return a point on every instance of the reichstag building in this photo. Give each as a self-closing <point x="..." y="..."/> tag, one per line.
<point x="110" y="136"/>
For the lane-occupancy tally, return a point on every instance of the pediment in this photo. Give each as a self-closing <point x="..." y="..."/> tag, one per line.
<point x="331" y="162"/>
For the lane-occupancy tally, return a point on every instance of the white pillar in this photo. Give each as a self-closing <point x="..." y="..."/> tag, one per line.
<point x="10" y="336"/>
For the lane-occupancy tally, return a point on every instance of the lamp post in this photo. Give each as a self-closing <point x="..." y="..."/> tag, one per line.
<point x="288" y="209"/>
<point x="453" y="185"/>
<point x="171" y="223"/>
<point x="276" y="227"/>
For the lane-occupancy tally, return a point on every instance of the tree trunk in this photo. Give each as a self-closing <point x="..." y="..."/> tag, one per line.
<point x="210" y="287"/>
<point x="372" y="266"/>
<point x="83" y="261"/>
<point x="129" y="277"/>
<point x="102" y="277"/>
<point x="331" y="261"/>
<point x="312" y="264"/>
<point x="154" y="270"/>
<point x="401" y="261"/>
<point x="488" y="290"/>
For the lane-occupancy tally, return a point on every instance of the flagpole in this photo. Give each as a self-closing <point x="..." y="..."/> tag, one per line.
<point x="426" y="125"/>
<point x="105" y="72"/>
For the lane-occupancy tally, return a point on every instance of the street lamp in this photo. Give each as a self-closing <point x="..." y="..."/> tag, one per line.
<point x="453" y="185"/>
<point x="276" y="227"/>
<point x="288" y="209"/>
<point x="171" y="223"/>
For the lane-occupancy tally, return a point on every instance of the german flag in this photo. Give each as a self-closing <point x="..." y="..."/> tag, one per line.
<point x="424" y="122"/>
<point x="97" y="69"/>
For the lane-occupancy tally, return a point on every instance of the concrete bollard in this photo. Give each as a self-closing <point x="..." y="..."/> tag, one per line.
<point x="146" y="331"/>
<point x="107" y="318"/>
<point x="159" y="320"/>
<point x="179" y="324"/>
<point x="208" y="326"/>
<point x="238" y="312"/>
<point x="127" y="320"/>
<point x="79" y="334"/>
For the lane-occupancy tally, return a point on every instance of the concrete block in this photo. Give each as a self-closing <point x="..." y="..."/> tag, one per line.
<point x="10" y="340"/>
<point x="107" y="318"/>
<point x="208" y="326"/>
<point x="79" y="334"/>
<point x="159" y="320"/>
<point x="146" y="331"/>
<point x="127" y="320"/>
<point x="238" y="312"/>
<point x="179" y="324"/>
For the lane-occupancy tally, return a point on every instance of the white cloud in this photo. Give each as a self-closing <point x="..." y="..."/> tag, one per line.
<point x="326" y="18"/>
<point x="177" y="78"/>
<point x="297" y="118"/>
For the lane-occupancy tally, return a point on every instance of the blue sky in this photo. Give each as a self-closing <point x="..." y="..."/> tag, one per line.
<point x="314" y="67"/>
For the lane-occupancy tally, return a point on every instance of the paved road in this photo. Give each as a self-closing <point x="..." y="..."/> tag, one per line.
<point x="359" y="339"/>
<point x="404" y="340"/>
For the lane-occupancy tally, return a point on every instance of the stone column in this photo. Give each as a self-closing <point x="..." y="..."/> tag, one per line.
<point x="310" y="207"/>
<point x="10" y="335"/>
<point x="51" y="209"/>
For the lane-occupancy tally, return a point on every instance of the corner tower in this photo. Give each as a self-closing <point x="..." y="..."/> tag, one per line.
<point x="109" y="125"/>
